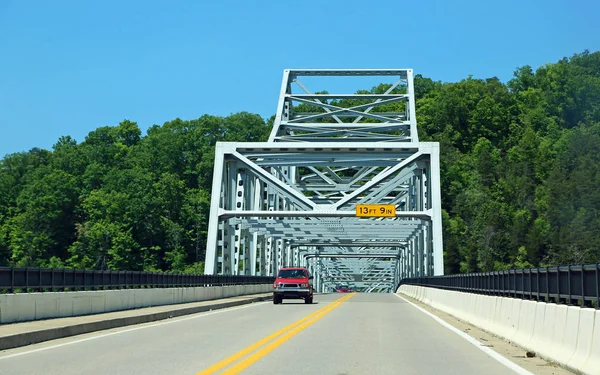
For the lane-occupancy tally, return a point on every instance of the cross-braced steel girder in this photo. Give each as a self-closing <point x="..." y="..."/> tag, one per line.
<point x="361" y="272"/>
<point x="291" y="201"/>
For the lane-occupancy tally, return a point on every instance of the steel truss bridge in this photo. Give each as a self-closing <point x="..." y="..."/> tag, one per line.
<point x="292" y="201"/>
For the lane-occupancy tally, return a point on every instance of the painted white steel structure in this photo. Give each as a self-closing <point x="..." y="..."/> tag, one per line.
<point x="291" y="201"/>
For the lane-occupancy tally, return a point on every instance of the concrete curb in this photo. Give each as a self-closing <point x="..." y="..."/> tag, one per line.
<point x="34" y="337"/>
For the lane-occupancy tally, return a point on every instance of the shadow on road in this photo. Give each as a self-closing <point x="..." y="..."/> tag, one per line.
<point x="291" y="302"/>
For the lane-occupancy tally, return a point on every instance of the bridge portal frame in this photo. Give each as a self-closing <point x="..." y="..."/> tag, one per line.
<point x="300" y="189"/>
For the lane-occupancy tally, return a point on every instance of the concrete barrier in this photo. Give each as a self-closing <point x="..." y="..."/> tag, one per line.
<point x="24" y="307"/>
<point x="526" y="323"/>
<point x="571" y="332"/>
<point x="592" y="364"/>
<point x="46" y="306"/>
<point x="584" y="340"/>
<point x="558" y="331"/>
<point x="481" y="305"/>
<point x="491" y="312"/>
<point x="504" y="322"/>
<point x="539" y="329"/>
<point x="542" y="342"/>
<point x="82" y="303"/>
<point x="513" y="318"/>
<point x="568" y="335"/>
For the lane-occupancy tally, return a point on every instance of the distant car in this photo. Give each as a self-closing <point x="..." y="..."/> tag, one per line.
<point x="292" y="283"/>
<point x="343" y="289"/>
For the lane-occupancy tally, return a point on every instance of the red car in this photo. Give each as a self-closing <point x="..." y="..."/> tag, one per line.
<point x="292" y="283"/>
<point x="343" y="289"/>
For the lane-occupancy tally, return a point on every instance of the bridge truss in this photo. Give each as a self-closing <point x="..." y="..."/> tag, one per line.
<point x="292" y="201"/>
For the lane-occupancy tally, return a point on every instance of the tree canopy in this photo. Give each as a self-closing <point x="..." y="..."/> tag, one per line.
<point x="520" y="172"/>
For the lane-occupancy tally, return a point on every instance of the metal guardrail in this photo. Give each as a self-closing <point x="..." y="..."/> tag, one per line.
<point x="571" y="285"/>
<point x="55" y="280"/>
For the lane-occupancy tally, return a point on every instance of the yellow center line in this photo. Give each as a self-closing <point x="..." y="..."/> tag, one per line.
<point x="227" y="361"/>
<point x="247" y="362"/>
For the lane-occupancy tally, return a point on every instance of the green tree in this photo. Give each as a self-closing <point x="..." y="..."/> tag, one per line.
<point x="519" y="176"/>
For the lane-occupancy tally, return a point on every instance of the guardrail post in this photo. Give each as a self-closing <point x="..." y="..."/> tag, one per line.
<point x="522" y="284"/>
<point x="537" y="283"/>
<point x="558" y="298"/>
<point x="514" y="285"/>
<point x="569" y="286"/>
<point x="530" y="295"/>
<point x="598" y="285"/>
<point x="499" y="281"/>
<point x="548" y="284"/>
<point x="584" y="302"/>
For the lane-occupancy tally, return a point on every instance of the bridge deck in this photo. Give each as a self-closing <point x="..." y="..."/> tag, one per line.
<point x="366" y="334"/>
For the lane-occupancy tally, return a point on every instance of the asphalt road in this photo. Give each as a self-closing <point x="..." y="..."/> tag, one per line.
<point x="373" y="334"/>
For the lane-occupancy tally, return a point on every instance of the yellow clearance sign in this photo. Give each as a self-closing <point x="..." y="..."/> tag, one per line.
<point x="376" y="210"/>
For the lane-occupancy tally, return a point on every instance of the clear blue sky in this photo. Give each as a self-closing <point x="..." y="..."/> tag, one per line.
<point x="68" y="67"/>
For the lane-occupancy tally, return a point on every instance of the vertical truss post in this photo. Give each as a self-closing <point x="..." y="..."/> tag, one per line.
<point x="239" y="240"/>
<point x="212" y="259"/>
<point x="269" y="259"/>
<point x="253" y="196"/>
<point x="262" y="264"/>
<point x="296" y="261"/>
<point x="411" y="110"/>
<point x="318" y="274"/>
<point x="253" y="258"/>
<point x="436" y="206"/>
<point x="422" y="254"/>
<point x="397" y="273"/>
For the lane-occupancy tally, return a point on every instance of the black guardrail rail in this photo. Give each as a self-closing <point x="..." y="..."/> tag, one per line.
<point x="573" y="285"/>
<point x="56" y="280"/>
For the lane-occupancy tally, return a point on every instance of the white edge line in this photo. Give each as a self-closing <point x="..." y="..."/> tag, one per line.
<point x="495" y="355"/>
<point x="151" y="325"/>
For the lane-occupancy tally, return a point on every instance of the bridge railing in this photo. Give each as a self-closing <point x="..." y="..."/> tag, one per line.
<point x="573" y="285"/>
<point x="54" y="280"/>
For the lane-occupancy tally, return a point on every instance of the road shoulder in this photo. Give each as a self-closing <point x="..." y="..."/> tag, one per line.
<point x="510" y="351"/>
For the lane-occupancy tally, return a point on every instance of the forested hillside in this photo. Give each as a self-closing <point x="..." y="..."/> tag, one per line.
<point x="520" y="180"/>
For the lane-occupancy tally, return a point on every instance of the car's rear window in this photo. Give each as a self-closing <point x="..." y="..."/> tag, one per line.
<point x="291" y="274"/>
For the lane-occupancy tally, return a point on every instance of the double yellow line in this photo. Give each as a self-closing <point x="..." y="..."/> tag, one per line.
<point x="277" y="339"/>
